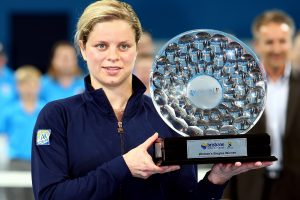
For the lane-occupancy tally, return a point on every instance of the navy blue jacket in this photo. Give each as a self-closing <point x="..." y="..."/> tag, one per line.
<point x="83" y="157"/>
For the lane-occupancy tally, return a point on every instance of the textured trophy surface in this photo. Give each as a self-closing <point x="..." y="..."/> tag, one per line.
<point x="208" y="83"/>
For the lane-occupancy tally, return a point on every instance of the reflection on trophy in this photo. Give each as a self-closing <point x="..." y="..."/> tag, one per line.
<point x="209" y="87"/>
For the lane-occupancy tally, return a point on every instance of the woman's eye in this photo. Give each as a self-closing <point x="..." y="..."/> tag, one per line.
<point x="101" y="46"/>
<point x="124" y="47"/>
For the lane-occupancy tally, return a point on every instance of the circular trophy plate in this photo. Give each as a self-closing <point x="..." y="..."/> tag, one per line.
<point x="207" y="82"/>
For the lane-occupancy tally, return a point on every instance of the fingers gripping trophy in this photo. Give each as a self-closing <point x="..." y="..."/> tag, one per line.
<point x="209" y="87"/>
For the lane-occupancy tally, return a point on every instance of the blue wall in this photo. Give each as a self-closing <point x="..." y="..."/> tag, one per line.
<point x="167" y="18"/>
<point x="163" y="18"/>
<point x="10" y="7"/>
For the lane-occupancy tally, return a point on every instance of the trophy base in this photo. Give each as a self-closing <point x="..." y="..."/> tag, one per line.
<point x="213" y="149"/>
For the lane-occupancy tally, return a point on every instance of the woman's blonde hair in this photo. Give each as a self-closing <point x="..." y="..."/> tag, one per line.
<point x="103" y="11"/>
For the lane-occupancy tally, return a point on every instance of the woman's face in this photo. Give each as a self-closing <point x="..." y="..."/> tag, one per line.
<point x="110" y="53"/>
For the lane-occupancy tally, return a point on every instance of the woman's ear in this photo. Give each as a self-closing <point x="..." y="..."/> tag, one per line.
<point x="82" y="49"/>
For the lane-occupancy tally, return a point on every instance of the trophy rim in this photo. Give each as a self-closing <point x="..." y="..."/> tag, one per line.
<point x="213" y="32"/>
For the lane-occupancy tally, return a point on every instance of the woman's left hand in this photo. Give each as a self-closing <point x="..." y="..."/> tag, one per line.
<point x="222" y="172"/>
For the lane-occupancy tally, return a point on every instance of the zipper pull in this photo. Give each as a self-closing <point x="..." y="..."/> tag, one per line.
<point x="120" y="127"/>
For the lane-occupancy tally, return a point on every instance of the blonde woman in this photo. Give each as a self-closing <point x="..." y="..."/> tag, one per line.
<point x="97" y="145"/>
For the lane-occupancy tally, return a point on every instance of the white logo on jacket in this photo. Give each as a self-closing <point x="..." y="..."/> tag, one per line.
<point x="43" y="137"/>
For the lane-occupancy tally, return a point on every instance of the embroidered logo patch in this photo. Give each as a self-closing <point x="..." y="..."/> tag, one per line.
<point x="43" y="137"/>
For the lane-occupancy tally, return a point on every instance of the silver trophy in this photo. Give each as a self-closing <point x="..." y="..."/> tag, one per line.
<point x="209" y="87"/>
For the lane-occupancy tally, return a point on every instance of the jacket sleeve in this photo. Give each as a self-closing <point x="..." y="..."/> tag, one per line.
<point x="208" y="190"/>
<point x="50" y="170"/>
<point x="188" y="187"/>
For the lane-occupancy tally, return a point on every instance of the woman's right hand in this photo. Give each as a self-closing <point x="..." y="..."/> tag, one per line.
<point x="140" y="163"/>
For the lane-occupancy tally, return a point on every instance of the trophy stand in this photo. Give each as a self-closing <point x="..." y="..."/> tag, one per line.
<point x="213" y="149"/>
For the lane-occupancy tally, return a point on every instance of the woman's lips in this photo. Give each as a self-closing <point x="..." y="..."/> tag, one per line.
<point x="112" y="70"/>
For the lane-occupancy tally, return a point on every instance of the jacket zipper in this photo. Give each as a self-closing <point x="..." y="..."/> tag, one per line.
<point x="120" y="127"/>
<point x="121" y="132"/>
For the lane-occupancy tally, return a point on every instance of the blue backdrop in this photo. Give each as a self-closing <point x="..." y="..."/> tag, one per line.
<point x="163" y="18"/>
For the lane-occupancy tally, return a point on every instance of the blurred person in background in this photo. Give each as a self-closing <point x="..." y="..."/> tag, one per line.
<point x="142" y="69"/>
<point x="17" y="122"/>
<point x="273" y="33"/>
<point x="146" y="45"/>
<point x="7" y="82"/>
<point x="64" y="76"/>
<point x="7" y="96"/>
<point x="296" y="52"/>
<point x="144" y="60"/>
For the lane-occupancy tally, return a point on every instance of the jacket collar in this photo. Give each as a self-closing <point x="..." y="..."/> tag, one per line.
<point x="100" y="99"/>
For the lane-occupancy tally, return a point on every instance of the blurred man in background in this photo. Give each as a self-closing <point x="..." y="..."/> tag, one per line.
<point x="273" y="32"/>
<point x="142" y="69"/>
<point x="64" y="76"/>
<point x="7" y="82"/>
<point x="144" y="60"/>
<point x="7" y="96"/>
<point x="296" y="52"/>
<point x="146" y="44"/>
